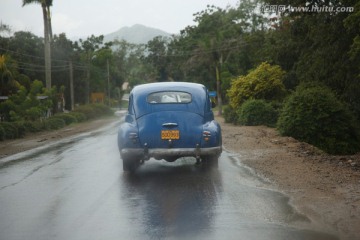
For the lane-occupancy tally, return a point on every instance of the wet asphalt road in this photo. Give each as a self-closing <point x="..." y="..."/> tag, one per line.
<point x="76" y="190"/>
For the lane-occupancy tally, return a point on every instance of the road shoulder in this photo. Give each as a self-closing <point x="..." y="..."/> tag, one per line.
<point x="325" y="188"/>
<point x="35" y="140"/>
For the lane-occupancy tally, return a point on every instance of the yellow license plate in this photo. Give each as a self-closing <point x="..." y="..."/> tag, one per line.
<point x="170" y="134"/>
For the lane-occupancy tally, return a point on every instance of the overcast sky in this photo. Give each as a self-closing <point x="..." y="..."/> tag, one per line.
<point x="81" y="18"/>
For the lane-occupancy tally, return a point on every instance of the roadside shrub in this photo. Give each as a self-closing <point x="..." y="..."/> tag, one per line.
<point x="102" y="109"/>
<point x="87" y="111"/>
<point x="20" y="127"/>
<point x="10" y="130"/>
<point x="92" y="111"/>
<point x="314" y="115"/>
<point x="54" y="123"/>
<point x="124" y="104"/>
<point x="68" y="119"/>
<point x="33" y="126"/>
<point x="257" y="112"/>
<point x="80" y="117"/>
<point x="230" y="114"/>
<point x="264" y="82"/>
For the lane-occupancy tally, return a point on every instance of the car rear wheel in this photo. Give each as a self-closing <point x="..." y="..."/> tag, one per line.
<point x="212" y="160"/>
<point x="130" y="165"/>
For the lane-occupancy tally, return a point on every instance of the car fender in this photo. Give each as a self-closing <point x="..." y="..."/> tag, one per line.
<point x="128" y="134"/>
<point x="214" y="130"/>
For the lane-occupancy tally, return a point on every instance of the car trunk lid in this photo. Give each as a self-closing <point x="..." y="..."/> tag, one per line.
<point x="170" y="129"/>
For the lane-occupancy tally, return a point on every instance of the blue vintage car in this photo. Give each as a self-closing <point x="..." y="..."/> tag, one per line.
<point x="169" y="120"/>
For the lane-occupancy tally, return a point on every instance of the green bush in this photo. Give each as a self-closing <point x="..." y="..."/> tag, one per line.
<point x="87" y="111"/>
<point x="92" y="111"/>
<point x="314" y="115"/>
<point x="54" y="123"/>
<point x="33" y="126"/>
<point x="20" y="126"/>
<point x="264" y="82"/>
<point x="257" y="112"/>
<point x="10" y="130"/>
<point x="102" y="109"/>
<point x="230" y="114"/>
<point x="80" y="117"/>
<point x="68" y="118"/>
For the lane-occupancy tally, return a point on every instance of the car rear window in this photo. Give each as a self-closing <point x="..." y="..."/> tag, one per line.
<point x="169" y="97"/>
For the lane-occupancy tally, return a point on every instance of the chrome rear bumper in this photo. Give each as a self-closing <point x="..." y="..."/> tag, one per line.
<point x="160" y="153"/>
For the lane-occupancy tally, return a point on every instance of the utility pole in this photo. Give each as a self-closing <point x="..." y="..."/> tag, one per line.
<point x="87" y="87"/>
<point x="218" y="67"/>
<point x="108" y="79"/>
<point x="71" y="85"/>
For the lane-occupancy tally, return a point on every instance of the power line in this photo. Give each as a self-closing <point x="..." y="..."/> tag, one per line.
<point x="31" y="56"/>
<point x="41" y="70"/>
<point x="66" y="62"/>
<point x="197" y="50"/>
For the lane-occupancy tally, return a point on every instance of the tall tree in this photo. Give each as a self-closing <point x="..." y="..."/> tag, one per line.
<point x="132" y="64"/>
<point x="88" y="50"/>
<point x="319" y="46"/>
<point x="45" y="5"/>
<point x="157" y="49"/>
<point x="8" y="84"/>
<point x="219" y="35"/>
<point x="27" y="50"/>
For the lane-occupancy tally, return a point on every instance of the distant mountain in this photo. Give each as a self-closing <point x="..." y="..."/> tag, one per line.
<point x="138" y="34"/>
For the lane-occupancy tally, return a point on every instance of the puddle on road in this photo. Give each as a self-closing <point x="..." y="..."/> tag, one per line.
<point x="183" y="201"/>
<point x="272" y="205"/>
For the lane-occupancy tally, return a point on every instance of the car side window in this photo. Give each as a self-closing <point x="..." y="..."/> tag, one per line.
<point x="169" y="97"/>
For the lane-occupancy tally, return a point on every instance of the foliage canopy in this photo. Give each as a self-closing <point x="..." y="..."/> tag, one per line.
<point x="264" y="82"/>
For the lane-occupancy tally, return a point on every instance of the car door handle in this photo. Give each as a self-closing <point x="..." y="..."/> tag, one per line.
<point x="170" y="124"/>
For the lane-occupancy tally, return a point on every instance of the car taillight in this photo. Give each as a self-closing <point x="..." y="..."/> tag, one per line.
<point x="133" y="137"/>
<point x="206" y="135"/>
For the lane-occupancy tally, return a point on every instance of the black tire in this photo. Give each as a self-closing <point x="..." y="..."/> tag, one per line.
<point x="212" y="160"/>
<point x="130" y="165"/>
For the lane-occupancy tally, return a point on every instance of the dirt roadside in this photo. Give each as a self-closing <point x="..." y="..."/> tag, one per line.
<point x="325" y="188"/>
<point x="30" y="141"/>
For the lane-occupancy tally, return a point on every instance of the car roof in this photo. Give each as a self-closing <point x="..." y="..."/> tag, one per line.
<point x="148" y="88"/>
<point x="140" y="93"/>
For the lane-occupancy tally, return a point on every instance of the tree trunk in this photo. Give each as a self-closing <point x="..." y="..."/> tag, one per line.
<point x="47" y="48"/>
<point x="49" y="23"/>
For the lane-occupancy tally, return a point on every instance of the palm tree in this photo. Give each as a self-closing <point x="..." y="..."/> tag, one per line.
<point x="45" y="4"/>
